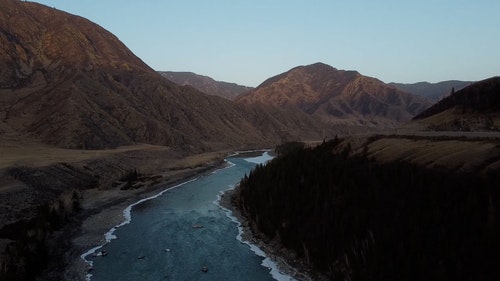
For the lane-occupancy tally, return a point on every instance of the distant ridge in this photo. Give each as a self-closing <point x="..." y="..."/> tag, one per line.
<point x="476" y="107"/>
<point x="432" y="91"/>
<point x="337" y="96"/>
<point x="206" y="84"/>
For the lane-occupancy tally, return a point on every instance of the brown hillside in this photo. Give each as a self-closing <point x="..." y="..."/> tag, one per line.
<point x="66" y="81"/>
<point x="474" y="108"/>
<point x="337" y="96"/>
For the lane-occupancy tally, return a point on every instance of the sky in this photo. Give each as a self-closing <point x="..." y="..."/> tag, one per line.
<point x="246" y="42"/>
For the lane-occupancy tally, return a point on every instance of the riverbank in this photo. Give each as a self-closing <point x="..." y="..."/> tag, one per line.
<point x="286" y="260"/>
<point x="34" y="175"/>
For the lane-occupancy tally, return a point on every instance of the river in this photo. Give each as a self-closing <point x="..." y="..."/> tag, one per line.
<point x="181" y="233"/>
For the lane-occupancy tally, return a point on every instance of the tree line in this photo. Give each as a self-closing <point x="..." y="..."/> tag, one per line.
<point x="32" y="247"/>
<point x="352" y="218"/>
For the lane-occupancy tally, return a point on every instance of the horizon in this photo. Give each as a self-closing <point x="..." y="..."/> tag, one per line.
<point x="247" y="43"/>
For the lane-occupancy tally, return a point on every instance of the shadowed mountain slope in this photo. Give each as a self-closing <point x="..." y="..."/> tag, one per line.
<point x="476" y="107"/>
<point x="432" y="91"/>
<point x="337" y="96"/>
<point x="206" y="84"/>
<point x="68" y="82"/>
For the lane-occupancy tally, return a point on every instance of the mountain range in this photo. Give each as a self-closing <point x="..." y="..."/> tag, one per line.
<point x="206" y="84"/>
<point x="432" y="91"/>
<point x="68" y="82"/>
<point x="337" y="96"/>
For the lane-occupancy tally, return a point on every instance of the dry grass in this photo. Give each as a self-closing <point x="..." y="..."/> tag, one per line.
<point x="38" y="155"/>
<point x="449" y="154"/>
<point x="197" y="160"/>
<point x="454" y="118"/>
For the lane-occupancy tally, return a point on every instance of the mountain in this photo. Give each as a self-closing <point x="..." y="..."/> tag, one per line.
<point x="432" y="91"/>
<point x="206" y="84"/>
<point x="337" y="96"/>
<point x="476" y="107"/>
<point x="67" y="82"/>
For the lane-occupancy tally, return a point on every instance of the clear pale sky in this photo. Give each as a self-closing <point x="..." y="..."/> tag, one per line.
<point x="248" y="41"/>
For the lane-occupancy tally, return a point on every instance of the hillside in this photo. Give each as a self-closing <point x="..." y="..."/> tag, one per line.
<point x="206" y="84"/>
<point x="68" y="82"/>
<point x="474" y="108"/>
<point x="337" y="96"/>
<point x="432" y="91"/>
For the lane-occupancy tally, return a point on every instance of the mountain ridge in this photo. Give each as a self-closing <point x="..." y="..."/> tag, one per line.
<point x="206" y="84"/>
<point x="337" y="96"/>
<point x="70" y="83"/>
<point x="474" y="108"/>
<point x="432" y="91"/>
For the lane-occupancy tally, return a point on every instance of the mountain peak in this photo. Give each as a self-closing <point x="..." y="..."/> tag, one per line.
<point x="314" y="74"/>
<point x="319" y="67"/>
<point x="337" y="96"/>
<point x="40" y="39"/>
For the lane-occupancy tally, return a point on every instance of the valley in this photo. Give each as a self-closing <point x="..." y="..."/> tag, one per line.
<point x="87" y="128"/>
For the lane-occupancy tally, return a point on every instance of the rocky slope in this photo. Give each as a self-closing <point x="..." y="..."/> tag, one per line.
<point x="476" y="107"/>
<point x="68" y="82"/>
<point x="432" y="91"/>
<point x="206" y="84"/>
<point x="337" y="96"/>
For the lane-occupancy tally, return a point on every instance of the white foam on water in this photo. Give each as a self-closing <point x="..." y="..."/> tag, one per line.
<point x="266" y="262"/>
<point x="108" y="236"/>
<point x="90" y="264"/>
<point x="260" y="159"/>
<point x="127" y="214"/>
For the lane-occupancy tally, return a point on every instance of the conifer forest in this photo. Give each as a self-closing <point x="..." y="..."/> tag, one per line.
<point x="352" y="218"/>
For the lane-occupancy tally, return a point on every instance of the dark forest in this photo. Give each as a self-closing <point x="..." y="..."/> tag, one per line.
<point x="352" y="218"/>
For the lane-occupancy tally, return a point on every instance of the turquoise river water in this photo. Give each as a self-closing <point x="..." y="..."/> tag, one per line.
<point x="182" y="231"/>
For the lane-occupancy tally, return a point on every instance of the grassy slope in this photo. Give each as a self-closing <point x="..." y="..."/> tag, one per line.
<point x="452" y="154"/>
